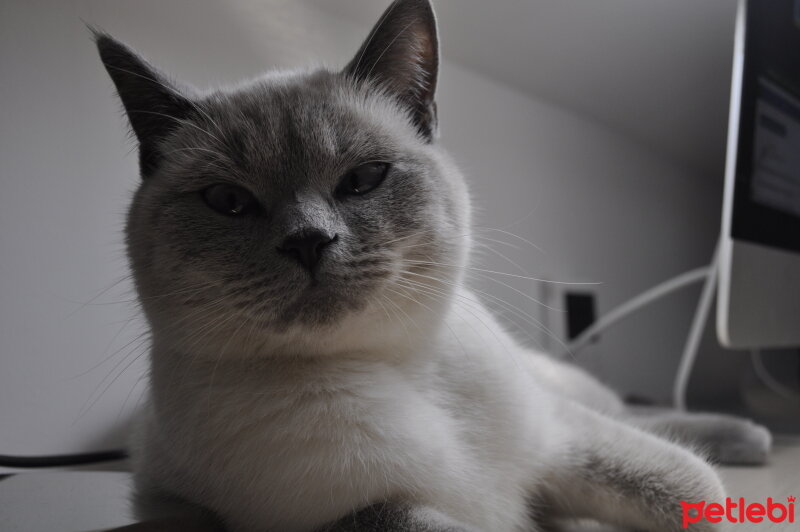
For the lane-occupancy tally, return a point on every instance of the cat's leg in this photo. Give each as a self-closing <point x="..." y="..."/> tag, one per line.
<point x="567" y="380"/>
<point x="397" y="517"/>
<point x="617" y="474"/>
<point x="724" y="439"/>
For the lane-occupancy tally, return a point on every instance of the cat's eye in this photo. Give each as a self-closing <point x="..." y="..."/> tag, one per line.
<point x="362" y="179"/>
<point x="230" y="200"/>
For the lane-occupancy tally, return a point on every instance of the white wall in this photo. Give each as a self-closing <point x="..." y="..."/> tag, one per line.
<point x="600" y="206"/>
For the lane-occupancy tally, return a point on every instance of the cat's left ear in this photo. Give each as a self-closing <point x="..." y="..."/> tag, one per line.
<point x="401" y="54"/>
<point x="155" y="106"/>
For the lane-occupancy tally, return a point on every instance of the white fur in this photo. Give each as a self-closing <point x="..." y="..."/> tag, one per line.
<point x="470" y="426"/>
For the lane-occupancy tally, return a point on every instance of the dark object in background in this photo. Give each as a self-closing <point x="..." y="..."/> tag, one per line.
<point x="580" y="313"/>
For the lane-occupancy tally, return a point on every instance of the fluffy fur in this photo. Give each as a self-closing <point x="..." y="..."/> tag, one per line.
<point x="373" y="392"/>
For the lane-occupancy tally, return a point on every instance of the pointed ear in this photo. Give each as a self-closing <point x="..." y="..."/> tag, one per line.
<point x="401" y="54"/>
<point x="155" y="107"/>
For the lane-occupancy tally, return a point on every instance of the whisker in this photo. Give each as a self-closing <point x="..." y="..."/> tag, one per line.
<point x="221" y="156"/>
<point x="525" y="316"/>
<point x="90" y="301"/>
<point x="507" y="259"/>
<point x="85" y="410"/>
<point x="130" y="392"/>
<point x="503" y="231"/>
<point x="374" y="32"/>
<point x="571" y="283"/>
<point x="219" y="359"/>
<point x="172" y="90"/>
<point x="431" y="310"/>
<point x="178" y="120"/>
<point x="108" y="346"/>
<point x="378" y="59"/>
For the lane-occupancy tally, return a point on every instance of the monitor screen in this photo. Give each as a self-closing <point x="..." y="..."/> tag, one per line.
<point x="766" y="208"/>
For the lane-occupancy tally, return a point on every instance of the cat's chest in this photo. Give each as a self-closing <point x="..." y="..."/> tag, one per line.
<point x="273" y="447"/>
<point x="326" y="443"/>
<point x="334" y="421"/>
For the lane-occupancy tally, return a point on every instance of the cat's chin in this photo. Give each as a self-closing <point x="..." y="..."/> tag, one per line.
<point x="317" y="303"/>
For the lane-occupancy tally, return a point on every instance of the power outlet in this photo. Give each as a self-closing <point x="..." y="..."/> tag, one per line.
<point x="581" y="312"/>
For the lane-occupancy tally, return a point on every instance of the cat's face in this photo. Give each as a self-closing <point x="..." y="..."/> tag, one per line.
<point x="303" y="212"/>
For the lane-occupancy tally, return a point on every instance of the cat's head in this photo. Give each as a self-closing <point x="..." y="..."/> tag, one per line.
<point x="304" y="212"/>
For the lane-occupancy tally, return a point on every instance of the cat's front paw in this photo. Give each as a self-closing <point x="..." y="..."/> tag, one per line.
<point x="736" y="441"/>
<point x="722" y="438"/>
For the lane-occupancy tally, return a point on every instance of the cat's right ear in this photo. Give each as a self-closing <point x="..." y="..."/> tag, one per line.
<point x="155" y="106"/>
<point x="401" y="55"/>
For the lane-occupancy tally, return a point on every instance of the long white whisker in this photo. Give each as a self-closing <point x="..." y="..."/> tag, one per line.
<point x="504" y="304"/>
<point x="430" y="263"/>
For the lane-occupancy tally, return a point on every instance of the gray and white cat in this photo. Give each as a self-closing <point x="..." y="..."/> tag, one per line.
<point x="299" y="245"/>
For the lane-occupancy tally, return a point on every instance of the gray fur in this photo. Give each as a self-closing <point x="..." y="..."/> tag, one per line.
<point x="722" y="438"/>
<point x="393" y="517"/>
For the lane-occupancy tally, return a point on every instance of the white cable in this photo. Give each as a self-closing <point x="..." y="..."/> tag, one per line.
<point x="709" y="274"/>
<point x="769" y="381"/>
<point x="634" y="304"/>
<point x="690" y="348"/>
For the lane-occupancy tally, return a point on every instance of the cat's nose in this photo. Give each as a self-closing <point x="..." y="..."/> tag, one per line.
<point x="307" y="247"/>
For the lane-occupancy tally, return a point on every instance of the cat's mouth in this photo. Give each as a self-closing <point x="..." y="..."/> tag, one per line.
<point x="328" y="295"/>
<point x="318" y="304"/>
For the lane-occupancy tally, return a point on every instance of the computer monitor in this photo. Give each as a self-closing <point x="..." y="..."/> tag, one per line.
<point x="759" y="256"/>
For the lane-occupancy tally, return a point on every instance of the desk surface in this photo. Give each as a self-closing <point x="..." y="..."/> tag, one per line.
<point x="80" y="501"/>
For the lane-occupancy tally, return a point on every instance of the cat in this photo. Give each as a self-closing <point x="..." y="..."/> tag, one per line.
<point x="298" y="246"/>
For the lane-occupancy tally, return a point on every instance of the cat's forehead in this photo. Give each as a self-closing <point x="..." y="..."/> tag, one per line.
<point x="304" y="118"/>
<point x="275" y="107"/>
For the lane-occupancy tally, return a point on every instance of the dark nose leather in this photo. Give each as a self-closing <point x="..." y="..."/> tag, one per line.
<point x="307" y="247"/>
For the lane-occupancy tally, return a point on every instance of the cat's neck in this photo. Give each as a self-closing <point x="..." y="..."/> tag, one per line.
<point x="178" y="379"/>
<point x="169" y="360"/>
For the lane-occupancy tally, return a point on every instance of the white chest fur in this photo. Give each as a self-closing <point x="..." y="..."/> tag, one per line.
<point x="267" y="444"/>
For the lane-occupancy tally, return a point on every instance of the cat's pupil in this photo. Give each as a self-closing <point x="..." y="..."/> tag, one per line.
<point x="234" y="205"/>
<point x="228" y="199"/>
<point x="355" y="184"/>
